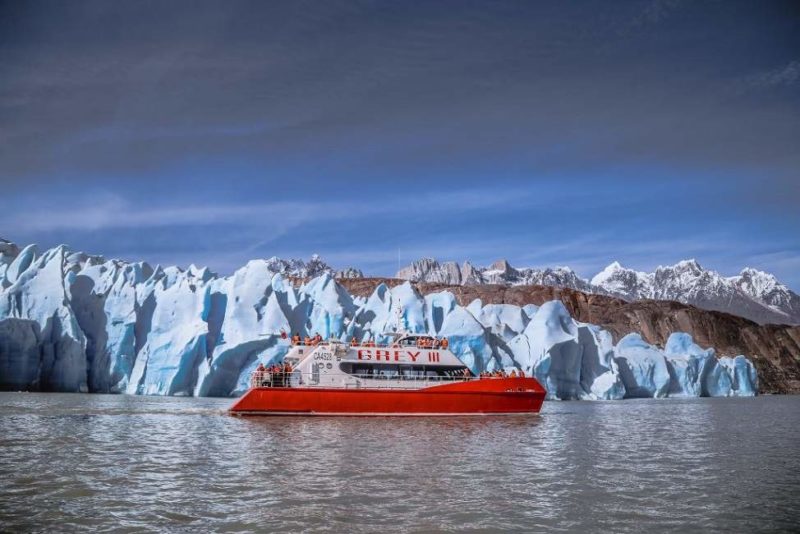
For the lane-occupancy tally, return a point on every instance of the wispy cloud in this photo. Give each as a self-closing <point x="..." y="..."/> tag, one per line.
<point x="783" y="76"/>
<point x="110" y="211"/>
<point x="655" y="12"/>
<point x="113" y="212"/>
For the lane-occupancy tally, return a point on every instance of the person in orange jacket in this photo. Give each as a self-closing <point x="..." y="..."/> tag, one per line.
<point x="445" y="343"/>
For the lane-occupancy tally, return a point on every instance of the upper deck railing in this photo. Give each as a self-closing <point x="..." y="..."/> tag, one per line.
<point x="420" y="343"/>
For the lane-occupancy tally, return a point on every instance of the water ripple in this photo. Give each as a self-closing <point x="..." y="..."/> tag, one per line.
<point x="132" y="464"/>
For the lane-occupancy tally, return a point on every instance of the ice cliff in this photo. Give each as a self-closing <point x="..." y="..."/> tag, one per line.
<point x="74" y="322"/>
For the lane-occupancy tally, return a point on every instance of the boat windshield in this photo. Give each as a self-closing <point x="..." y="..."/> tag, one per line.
<point x="408" y="341"/>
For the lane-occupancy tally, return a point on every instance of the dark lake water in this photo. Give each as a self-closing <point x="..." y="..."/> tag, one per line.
<point x="125" y="463"/>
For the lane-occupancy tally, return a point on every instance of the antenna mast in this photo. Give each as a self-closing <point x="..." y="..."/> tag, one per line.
<point x="399" y="318"/>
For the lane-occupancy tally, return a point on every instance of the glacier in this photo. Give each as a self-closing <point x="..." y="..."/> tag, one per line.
<point x="74" y="322"/>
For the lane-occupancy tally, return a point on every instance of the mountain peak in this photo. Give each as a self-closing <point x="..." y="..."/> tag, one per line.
<point x="610" y="270"/>
<point x="690" y="264"/>
<point x="501" y="265"/>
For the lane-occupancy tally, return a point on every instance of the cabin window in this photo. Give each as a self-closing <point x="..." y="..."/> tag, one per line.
<point x="389" y="371"/>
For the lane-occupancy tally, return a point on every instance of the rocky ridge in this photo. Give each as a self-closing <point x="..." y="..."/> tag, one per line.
<point x="752" y="294"/>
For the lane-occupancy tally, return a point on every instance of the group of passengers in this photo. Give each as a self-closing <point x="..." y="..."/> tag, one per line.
<point x="308" y="341"/>
<point x="276" y="375"/>
<point x="422" y="343"/>
<point x="500" y="373"/>
<point x="432" y="343"/>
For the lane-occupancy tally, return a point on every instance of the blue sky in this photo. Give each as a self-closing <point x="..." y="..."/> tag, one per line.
<point x="545" y="133"/>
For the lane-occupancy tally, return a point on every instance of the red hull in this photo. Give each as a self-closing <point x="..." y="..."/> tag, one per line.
<point x="486" y="396"/>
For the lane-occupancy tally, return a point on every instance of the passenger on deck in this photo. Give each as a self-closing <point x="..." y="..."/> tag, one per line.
<point x="296" y="338"/>
<point x="317" y="339"/>
<point x="259" y="375"/>
<point x="268" y="376"/>
<point x="287" y="373"/>
<point x="466" y="373"/>
<point x="513" y="373"/>
<point x="521" y="373"/>
<point x="353" y="341"/>
<point x="445" y="343"/>
<point x="307" y="341"/>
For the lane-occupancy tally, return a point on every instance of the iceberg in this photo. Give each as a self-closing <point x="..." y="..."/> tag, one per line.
<point x="177" y="342"/>
<point x="466" y="335"/>
<point x="37" y="292"/>
<point x="743" y="376"/>
<point x="247" y="326"/>
<point x="75" y="322"/>
<point x="572" y="360"/>
<point x="695" y="372"/>
<point x="643" y="368"/>
<point x="113" y="306"/>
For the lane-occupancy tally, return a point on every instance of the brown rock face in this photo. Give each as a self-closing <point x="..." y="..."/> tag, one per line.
<point x="774" y="349"/>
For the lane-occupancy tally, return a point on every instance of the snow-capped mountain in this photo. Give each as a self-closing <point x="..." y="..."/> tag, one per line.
<point x="314" y="267"/>
<point x="500" y="272"/>
<point x="298" y="268"/>
<point x="765" y="288"/>
<point x="350" y="272"/>
<point x="626" y="283"/>
<point x="752" y="294"/>
<point x="75" y="322"/>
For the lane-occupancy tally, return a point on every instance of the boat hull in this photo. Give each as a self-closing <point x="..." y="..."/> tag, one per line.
<point x="491" y="396"/>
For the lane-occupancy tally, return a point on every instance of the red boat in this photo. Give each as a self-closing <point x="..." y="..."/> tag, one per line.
<point x="412" y="376"/>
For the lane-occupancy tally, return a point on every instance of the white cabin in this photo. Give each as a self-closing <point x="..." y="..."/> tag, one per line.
<point x="409" y="362"/>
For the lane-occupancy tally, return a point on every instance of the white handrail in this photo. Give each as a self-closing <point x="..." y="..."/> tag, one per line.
<point x="436" y="345"/>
